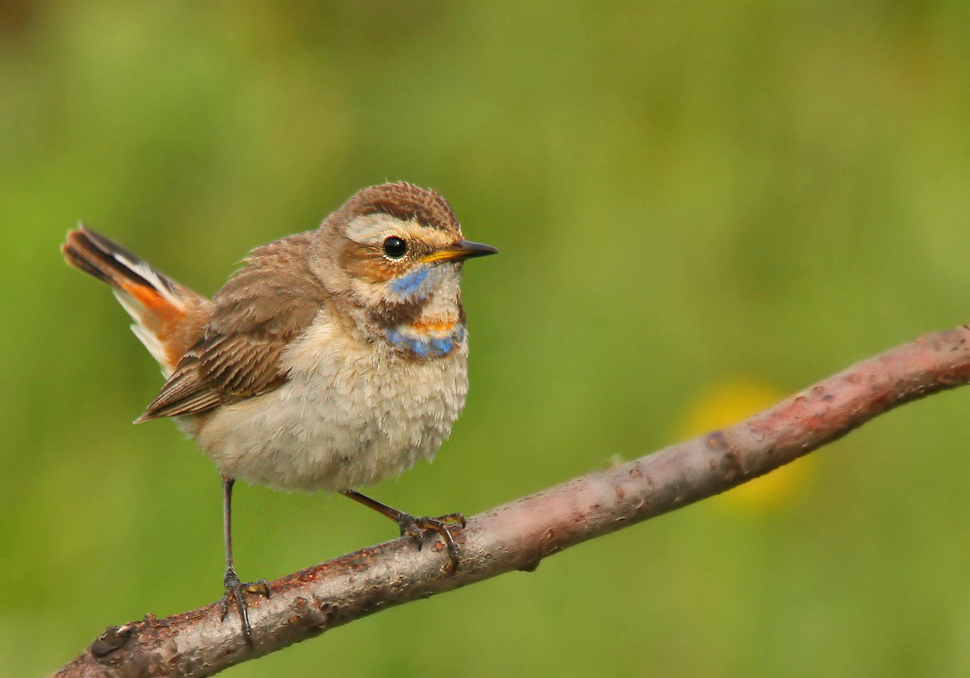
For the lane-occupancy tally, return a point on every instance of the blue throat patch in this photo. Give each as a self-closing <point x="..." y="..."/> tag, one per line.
<point x="434" y="347"/>
<point x="410" y="285"/>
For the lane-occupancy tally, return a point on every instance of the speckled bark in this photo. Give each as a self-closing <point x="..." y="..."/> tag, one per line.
<point x="517" y="536"/>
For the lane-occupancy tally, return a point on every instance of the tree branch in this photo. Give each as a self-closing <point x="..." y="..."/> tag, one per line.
<point x="518" y="535"/>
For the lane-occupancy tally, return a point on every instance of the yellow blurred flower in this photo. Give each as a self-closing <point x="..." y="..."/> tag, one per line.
<point x="726" y="403"/>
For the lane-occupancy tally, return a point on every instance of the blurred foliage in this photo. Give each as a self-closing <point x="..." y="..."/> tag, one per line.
<point x="683" y="193"/>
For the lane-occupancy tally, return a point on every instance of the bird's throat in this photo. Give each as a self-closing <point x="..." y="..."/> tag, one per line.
<point x="427" y="338"/>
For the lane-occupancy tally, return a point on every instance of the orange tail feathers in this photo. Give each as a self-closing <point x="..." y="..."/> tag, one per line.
<point x="168" y="317"/>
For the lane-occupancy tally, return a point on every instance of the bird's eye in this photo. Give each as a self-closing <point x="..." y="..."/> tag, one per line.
<point x="395" y="247"/>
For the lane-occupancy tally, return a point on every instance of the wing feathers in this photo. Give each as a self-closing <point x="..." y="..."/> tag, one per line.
<point x="262" y="308"/>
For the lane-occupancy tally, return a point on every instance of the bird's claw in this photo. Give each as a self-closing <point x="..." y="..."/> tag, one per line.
<point x="418" y="528"/>
<point x="235" y="591"/>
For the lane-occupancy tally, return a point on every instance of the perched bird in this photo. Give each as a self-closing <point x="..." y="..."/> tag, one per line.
<point x="332" y="359"/>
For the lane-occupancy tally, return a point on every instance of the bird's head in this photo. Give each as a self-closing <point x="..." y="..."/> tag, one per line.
<point x="396" y="251"/>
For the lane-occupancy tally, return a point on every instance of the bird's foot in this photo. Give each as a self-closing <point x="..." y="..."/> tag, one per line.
<point x="418" y="528"/>
<point x="235" y="593"/>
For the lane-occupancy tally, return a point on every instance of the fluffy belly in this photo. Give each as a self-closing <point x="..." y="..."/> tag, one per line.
<point x="335" y="426"/>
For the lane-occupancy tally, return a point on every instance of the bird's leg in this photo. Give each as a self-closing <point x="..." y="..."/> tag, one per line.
<point x="234" y="588"/>
<point x="417" y="528"/>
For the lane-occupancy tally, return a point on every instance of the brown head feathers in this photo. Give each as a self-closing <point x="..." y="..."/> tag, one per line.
<point x="406" y="202"/>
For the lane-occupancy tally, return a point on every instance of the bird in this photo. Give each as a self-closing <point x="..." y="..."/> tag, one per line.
<point x="331" y="359"/>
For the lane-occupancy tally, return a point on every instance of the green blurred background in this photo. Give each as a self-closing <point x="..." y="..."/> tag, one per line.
<point x="700" y="206"/>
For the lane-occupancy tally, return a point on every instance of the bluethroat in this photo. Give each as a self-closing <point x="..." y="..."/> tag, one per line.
<point x="332" y="359"/>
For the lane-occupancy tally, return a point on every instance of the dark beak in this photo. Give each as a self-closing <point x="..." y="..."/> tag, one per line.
<point x="461" y="250"/>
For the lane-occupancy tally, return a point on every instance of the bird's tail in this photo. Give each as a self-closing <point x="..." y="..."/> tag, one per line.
<point x="164" y="311"/>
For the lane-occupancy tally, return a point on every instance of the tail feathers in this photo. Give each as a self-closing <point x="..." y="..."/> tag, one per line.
<point x="158" y="305"/>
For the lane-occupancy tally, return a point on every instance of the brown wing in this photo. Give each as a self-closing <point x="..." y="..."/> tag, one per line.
<point x="262" y="308"/>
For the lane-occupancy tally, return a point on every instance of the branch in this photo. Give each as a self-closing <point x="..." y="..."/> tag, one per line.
<point x="518" y="535"/>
